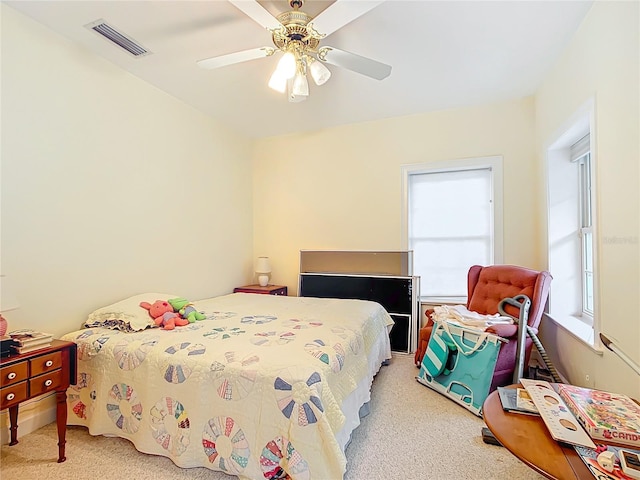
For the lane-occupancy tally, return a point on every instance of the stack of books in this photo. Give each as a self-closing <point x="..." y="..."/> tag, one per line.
<point x="29" y="340"/>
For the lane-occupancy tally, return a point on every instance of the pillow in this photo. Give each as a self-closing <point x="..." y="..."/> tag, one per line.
<point x="126" y="315"/>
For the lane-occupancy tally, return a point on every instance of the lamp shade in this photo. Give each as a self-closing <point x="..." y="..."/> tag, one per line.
<point x="278" y="82"/>
<point x="287" y="65"/>
<point x="263" y="265"/>
<point x="300" y="86"/>
<point x="319" y="72"/>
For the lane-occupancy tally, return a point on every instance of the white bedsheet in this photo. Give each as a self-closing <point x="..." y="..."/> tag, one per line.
<point x="265" y="385"/>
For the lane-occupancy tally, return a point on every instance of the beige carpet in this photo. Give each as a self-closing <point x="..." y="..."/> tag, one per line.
<point x="411" y="433"/>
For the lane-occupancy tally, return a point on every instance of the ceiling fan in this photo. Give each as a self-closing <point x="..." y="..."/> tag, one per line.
<point x="298" y="35"/>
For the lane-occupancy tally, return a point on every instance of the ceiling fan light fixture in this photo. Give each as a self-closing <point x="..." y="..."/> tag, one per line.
<point x="298" y="35"/>
<point x="319" y="72"/>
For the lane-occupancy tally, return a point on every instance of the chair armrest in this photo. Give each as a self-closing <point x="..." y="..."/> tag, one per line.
<point x="427" y="313"/>
<point x="504" y="331"/>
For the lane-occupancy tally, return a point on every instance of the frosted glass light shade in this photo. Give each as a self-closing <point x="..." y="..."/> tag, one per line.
<point x="300" y="87"/>
<point x="297" y="98"/>
<point x="293" y="97"/>
<point x="287" y="65"/>
<point x="278" y="82"/>
<point x="319" y="72"/>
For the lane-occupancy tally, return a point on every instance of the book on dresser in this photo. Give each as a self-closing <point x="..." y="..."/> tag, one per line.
<point x="30" y="340"/>
<point x="609" y="417"/>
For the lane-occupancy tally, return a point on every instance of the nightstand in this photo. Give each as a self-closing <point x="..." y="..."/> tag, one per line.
<point x="268" y="290"/>
<point x="26" y="376"/>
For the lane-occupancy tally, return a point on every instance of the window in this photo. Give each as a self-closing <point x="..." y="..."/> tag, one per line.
<point x="571" y="224"/>
<point x="451" y="223"/>
<point x="580" y="153"/>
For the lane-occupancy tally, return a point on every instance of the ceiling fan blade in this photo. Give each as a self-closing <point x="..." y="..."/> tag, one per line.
<point x="258" y="13"/>
<point x="237" y="57"/>
<point x="340" y="13"/>
<point x="351" y="61"/>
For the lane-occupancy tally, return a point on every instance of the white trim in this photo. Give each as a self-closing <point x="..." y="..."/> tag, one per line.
<point x="579" y="330"/>
<point x="572" y="130"/>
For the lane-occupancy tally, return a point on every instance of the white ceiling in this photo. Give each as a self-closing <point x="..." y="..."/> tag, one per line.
<point x="444" y="54"/>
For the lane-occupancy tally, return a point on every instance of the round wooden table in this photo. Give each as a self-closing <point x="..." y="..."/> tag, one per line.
<point x="527" y="437"/>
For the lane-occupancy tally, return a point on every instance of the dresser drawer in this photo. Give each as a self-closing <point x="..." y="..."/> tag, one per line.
<point x="14" y="373"/>
<point x="46" y="363"/>
<point x="45" y="383"/>
<point x="13" y="395"/>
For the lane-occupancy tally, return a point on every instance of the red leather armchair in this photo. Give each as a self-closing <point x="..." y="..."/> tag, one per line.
<point x="486" y="287"/>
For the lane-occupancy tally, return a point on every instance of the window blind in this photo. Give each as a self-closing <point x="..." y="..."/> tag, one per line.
<point x="450" y="228"/>
<point x="580" y="148"/>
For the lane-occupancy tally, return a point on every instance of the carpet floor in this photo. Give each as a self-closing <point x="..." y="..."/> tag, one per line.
<point x="411" y="433"/>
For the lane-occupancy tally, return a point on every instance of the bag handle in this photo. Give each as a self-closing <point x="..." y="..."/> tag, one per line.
<point x="465" y="349"/>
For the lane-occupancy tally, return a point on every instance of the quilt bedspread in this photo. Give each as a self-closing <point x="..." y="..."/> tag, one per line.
<point x="265" y="387"/>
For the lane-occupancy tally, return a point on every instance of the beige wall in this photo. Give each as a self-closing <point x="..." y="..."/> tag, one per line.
<point x="341" y="188"/>
<point x="602" y="63"/>
<point x="110" y="187"/>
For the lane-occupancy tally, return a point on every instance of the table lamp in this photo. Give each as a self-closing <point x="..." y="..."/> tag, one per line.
<point x="263" y="269"/>
<point x="8" y="302"/>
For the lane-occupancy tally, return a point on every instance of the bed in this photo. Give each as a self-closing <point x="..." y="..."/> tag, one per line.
<point x="264" y="387"/>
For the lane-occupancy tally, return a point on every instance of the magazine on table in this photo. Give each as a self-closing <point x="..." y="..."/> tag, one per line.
<point x="524" y="401"/>
<point x="509" y="398"/>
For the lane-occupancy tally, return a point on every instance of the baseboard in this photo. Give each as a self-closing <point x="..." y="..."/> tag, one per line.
<point x="32" y="415"/>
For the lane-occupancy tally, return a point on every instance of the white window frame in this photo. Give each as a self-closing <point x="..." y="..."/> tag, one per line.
<point x="586" y="234"/>
<point x="495" y="164"/>
<point x="583" y="325"/>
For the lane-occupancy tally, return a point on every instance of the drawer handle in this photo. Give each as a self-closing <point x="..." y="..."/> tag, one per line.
<point x="12" y="375"/>
<point x="11" y="396"/>
<point x="48" y="383"/>
<point x="48" y="363"/>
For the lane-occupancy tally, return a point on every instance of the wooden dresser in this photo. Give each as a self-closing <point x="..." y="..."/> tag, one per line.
<point x="26" y="376"/>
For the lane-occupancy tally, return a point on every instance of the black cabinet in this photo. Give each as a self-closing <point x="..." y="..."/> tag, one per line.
<point x="397" y="294"/>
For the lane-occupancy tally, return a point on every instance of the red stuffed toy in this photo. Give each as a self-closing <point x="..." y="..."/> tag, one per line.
<point x="164" y="316"/>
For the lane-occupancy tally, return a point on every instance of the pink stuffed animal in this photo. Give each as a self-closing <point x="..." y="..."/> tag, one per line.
<point x="164" y="316"/>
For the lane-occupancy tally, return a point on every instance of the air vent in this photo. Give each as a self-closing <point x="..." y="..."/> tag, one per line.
<point x="123" y="41"/>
